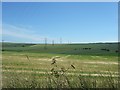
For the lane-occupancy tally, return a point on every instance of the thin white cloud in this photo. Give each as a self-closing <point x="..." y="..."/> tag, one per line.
<point x="24" y="34"/>
<point x="18" y="32"/>
<point x="28" y="35"/>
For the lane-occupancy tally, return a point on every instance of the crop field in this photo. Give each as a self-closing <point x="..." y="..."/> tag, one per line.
<point x="60" y="65"/>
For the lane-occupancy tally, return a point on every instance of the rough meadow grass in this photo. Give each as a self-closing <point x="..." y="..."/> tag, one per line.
<point x="30" y="69"/>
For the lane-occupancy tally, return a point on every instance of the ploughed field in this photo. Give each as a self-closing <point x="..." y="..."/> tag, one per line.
<point x="60" y="65"/>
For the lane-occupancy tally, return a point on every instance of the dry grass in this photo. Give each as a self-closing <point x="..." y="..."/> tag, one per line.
<point x="25" y="71"/>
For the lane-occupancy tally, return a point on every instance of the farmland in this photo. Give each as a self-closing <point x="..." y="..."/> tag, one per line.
<point x="29" y="65"/>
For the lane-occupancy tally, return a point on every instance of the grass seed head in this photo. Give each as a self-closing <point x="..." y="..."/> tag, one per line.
<point x="73" y="66"/>
<point x="53" y="61"/>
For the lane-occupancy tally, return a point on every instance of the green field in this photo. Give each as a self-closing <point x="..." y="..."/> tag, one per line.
<point x="29" y="65"/>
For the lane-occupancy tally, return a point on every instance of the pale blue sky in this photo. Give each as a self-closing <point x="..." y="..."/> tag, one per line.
<point x="74" y="22"/>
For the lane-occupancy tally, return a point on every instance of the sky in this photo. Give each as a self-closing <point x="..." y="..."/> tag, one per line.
<point x="73" y="22"/>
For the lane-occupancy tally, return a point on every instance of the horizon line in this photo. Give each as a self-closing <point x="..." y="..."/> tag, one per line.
<point x="61" y="43"/>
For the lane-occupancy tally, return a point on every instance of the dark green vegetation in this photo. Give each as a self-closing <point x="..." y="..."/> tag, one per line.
<point x="75" y="65"/>
<point x="75" y="49"/>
